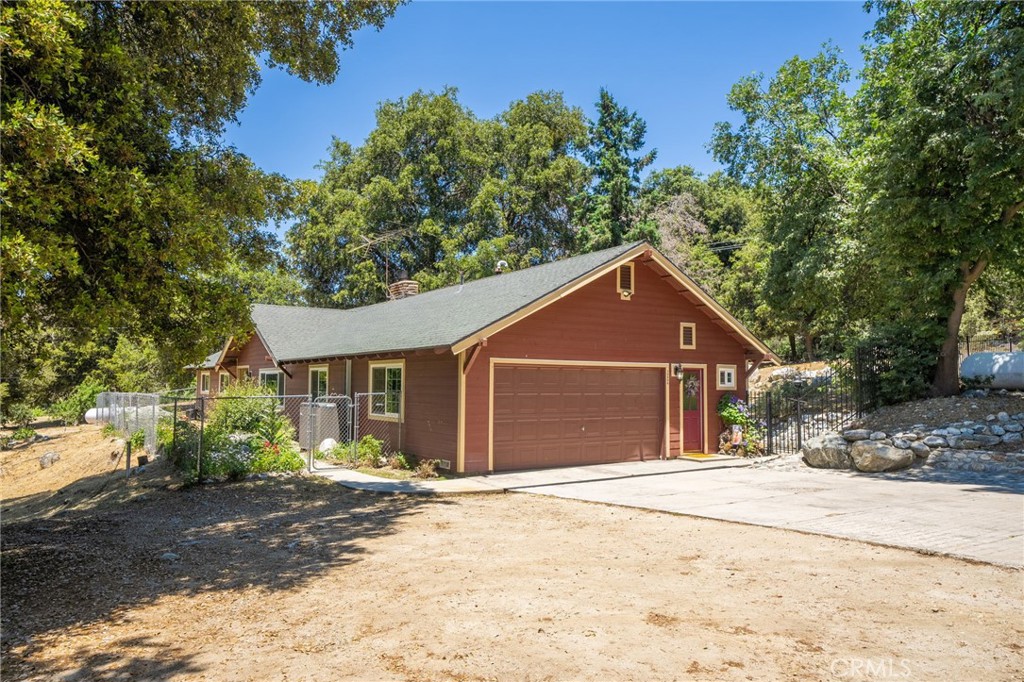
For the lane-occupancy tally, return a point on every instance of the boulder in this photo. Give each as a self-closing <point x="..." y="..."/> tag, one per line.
<point x="327" y="445"/>
<point x="856" y="434"/>
<point x="49" y="459"/>
<point x="1013" y="427"/>
<point x="1003" y="417"/>
<point x="830" y="451"/>
<point x="920" y="449"/>
<point x="878" y="435"/>
<point x="1012" y="438"/>
<point x="901" y="444"/>
<point x="935" y="442"/>
<point x="873" y="457"/>
<point x="907" y="435"/>
<point x="997" y="430"/>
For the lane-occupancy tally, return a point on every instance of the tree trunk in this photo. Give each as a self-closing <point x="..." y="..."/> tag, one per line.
<point x="792" y="346"/>
<point x="947" y="373"/>
<point x="808" y="347"/>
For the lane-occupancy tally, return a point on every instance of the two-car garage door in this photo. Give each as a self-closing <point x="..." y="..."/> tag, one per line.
<point x="555" y="415"/>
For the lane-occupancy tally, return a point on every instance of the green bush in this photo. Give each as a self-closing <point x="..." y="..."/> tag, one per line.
<point x="138" y="440"/>
<point x="72" y="409"/>
<point x="346" y="454"/>
<point x="18" y="414"/>
<point x="23" y="433"/>
<point x="370" y="452"/>
<point x="401" y="460"/>
<point x="244" y="433"/>
<point x="896" y="362"/>
<point x="735" y="412"/>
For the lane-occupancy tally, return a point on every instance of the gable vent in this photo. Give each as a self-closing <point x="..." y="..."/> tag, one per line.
<point x="687" y="335"/>
<point x="624" y="284"/>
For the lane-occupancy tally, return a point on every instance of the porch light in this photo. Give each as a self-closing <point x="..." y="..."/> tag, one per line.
<point x="677" y="371"/>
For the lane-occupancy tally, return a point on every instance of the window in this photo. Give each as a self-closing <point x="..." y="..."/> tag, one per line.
<point x="204" y="382"/>
<point x="386" y="390"/>
<point x="726" y="377"/>
<point x="624" y="281"/>
<point x="687" y="335"/>
<point x="223" y="381"/>
<point x="318" y="381"/>
<point x="274" y="378"/>
<point x="243" y="372"/>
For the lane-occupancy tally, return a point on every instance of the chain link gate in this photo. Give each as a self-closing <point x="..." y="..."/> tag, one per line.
<point x="326" y="417"/>
<point x="372" y="416"/>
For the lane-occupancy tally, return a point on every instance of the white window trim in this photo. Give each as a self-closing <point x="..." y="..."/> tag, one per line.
<point x="718" y="377"/>
<point x="281" y="386"/>
<point x="204" y="378"/>
<point x="327" y="381"/>
<point x="693" y="336"/>
<point x="625" y="294"/>
<point x="242" y="372"/>
<point x="400" y="417"/>
<point x="220" y="380"/>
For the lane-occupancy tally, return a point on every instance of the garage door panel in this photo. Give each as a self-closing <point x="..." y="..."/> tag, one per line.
<point x="563" y="416"/>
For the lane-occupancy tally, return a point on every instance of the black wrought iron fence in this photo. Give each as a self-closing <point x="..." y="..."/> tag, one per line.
<point x="798" y="404"/>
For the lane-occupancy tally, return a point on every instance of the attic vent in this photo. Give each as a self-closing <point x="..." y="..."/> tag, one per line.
<point x="687" y="335"/>
<point x="403" y="288"/>
<point x="624" y="284"/>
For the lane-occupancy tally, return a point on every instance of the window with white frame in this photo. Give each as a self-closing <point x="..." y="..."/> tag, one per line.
<point x="223" y="381"/>
<point x="318" y="381"/>
<point x="273" y="379"/>
<point x="204" y="382"/>
<point x="243" y="372"/>
<point x="386" y="381"/>
<point x="726" y="377"/>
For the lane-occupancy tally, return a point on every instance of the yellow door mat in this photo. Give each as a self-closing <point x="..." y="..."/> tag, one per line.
<point x="698" y="456"/>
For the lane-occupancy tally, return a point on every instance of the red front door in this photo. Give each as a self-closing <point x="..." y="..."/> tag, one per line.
<point x="693" y="410"/>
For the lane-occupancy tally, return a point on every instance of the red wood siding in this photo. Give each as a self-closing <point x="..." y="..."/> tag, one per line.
<point x="594" y="324"/>
<point x="430" y="424"/>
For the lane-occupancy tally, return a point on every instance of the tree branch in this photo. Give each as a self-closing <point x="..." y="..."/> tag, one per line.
<point x="1011" y="211"/>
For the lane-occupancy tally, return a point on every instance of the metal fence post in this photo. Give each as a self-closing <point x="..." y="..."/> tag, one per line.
<point x="199" y="451"/>
<point x="768" y="421"/>
<point x="799" y="424"/>
<point x="174" y="429"/>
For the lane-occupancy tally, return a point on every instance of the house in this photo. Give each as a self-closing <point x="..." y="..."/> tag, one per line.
<point x="610" y="356"/>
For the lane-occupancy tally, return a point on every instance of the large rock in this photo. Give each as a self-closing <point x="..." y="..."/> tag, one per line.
<point x="49" y="459"/>
<point x="856" y="434"/>
<point x="920" y="449"/>
<point x="935" y="442"/>
<point x="872" y="457"/>
<point x="830" y="451"/>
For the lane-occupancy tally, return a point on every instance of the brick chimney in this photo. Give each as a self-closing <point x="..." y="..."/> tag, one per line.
<point x="403" y="287"/>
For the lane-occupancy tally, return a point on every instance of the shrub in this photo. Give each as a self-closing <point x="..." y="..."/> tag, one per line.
<point x="72" y="409"/>
<point x="370" y="452"/>
<point x="245" y="433"/>
<point x="108" y="430"/>
<point x="402" y="461"/>
<point x="427" y="468"/>
<point x="18" y="414"/>
<point x="346" y="454"/>
<point x="896" y="362"/>
<point x="23" y="433"/>
<point x="138" y="440"/>
<point x="735" y="412"/>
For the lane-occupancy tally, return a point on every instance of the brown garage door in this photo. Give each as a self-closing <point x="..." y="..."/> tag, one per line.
<point x="547" y="416"/>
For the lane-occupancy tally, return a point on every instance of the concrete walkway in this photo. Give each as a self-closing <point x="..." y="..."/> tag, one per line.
<point x="969" y="520"/>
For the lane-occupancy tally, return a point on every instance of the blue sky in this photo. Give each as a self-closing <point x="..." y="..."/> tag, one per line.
<point x="673" y="63"/>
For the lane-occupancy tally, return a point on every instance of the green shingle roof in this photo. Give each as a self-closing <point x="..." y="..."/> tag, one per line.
<point x="433" y="319"/>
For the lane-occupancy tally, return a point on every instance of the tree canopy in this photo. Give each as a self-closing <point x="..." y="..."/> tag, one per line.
<point x="441" y="194"/>
<point x="121" y="208"/>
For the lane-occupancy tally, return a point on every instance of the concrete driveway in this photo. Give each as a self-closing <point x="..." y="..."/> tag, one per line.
<point x="972" y="520"/>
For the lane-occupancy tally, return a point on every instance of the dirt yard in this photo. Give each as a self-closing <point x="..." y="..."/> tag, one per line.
<point x="300" y="579"/>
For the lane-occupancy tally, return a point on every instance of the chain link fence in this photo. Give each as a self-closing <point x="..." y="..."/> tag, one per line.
<point x="131" y="413"/>
<point x="207" y="435"/>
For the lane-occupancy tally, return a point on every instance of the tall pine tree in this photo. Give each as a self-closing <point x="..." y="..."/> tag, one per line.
<point x="608" y="215"/>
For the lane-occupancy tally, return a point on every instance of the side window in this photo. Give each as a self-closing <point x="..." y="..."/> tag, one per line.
<point x="274" y="379"/>
<point x="386" y="389"/>
<point x="726" y="377"/>
<point x="223" y="381"/>
<point x="204" y="382"/>
<point x="317" y="382"/>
